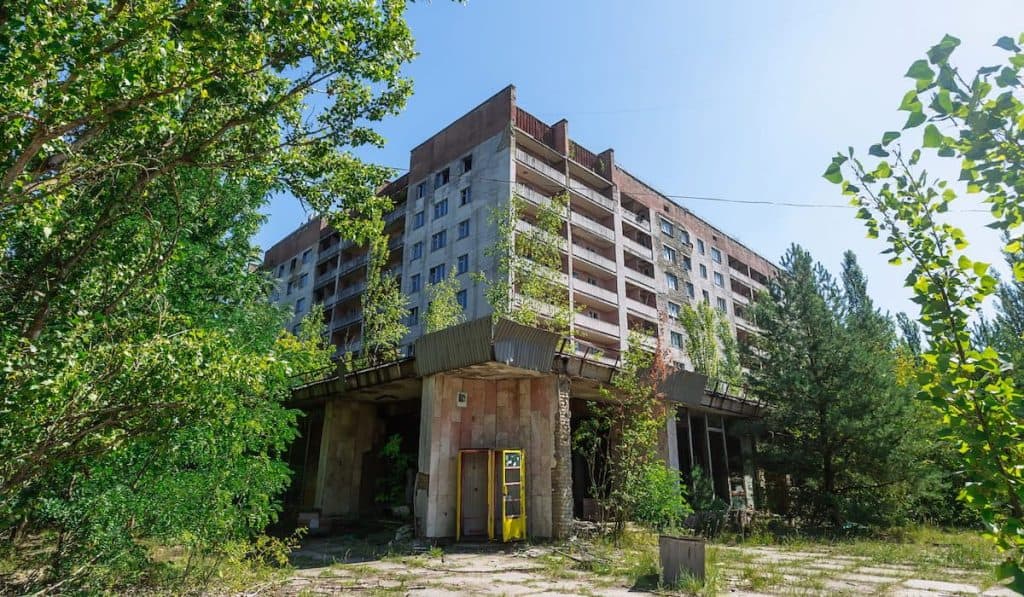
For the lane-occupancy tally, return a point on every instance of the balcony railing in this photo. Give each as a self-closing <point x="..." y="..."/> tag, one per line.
<point x="535" y="197"/>
<point x="593" y="257"/>
<point x="540" y="166"/>
<point x="585" y="321"/>
<point x="327" y="253"/>
<point x="593" y="226"/>
<point x="640" y="278"/>
<point x="584" y="191"/>
<point x="351" y="291"/>
<point x="352" y="264"/>
<point x="394" y="215"/>
<point x="534" y="127"/>
<point x="525" y="227"/>
<point x="637" y="249"/>
<point x="346" y="320"/>
<point x="596" y="291"/>
<point x="641" y="308"/>
<point x="640" y="221"/>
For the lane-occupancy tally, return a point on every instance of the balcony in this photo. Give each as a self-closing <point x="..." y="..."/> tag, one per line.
<point x="603" y="327"/>
<point x="593" y="226"/>
<point x="540" y="166"/>
<point x="584" y="191"/>
<point x="593" y="257"/>
<point x="350" y="291"/>
<point x="345" y="321"/>
<point x="639" y="278"/>
<point x="327" y="253"/>
<point x="534" y="197"/>
<point x="525" y="227"/>
<point x="637" y="249"/>
<point x="597" y="292"/>
<point x="396" y="242"/>
<point x="640" y="221"/>
<point x="352" y="264"/>
<point x="642" y="309"/>
<point x="394" y="215"/>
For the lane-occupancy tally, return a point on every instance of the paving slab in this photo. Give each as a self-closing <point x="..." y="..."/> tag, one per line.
<point x="868" y="578"/>
<point x="882" y="571"/>
<point x="1000" y="591"/>
<point x="941" y="587"/>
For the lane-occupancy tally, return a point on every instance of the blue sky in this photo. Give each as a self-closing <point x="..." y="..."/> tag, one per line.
<point x="741" y="100"/>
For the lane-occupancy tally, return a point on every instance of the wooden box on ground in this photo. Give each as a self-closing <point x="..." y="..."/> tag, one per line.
<point x="680" y="556"/>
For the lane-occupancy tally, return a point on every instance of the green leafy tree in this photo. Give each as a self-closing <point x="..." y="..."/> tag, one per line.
<point x="529" y="288"/>
<point x="385" y="308"/>
<point x="826" y="363"/>
<point x="142" y="369"/>
<point x="709" y="343"/>
<point x="969" y="383"/>
<point x="444" y="309"/>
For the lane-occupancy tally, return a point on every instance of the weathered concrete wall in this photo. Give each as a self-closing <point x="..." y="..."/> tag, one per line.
<point x="348" y="435"/>
<point x="511" y="413"/>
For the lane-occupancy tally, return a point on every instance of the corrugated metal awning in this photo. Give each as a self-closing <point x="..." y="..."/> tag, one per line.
<point x="484" y="341"/>
<point x="523" y="346"/>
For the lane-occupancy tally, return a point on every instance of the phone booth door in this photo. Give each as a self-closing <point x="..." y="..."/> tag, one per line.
<point x="513" y="495"/>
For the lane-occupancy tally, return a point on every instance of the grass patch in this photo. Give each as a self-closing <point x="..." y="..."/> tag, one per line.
<point x="760" y="576"/>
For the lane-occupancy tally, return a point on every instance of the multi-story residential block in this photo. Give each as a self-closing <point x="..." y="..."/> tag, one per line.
<point x="631" y="258"/>
<point x="291" y="262"/>
<point x="630" y="253"/>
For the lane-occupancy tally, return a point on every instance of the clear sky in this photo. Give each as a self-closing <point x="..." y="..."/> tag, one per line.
<point x="741" y="100"/>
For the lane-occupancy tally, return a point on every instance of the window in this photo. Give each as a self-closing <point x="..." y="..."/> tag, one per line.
<point x="700" y="246"/>
<point x="703" y="271"/>
<point x="438" y="240"/>
<point x="716" y="255"/>
<point x="668" y="253"/>
<point x="673" y="309"/>
<point x="300" y="305"/>
<point x="421" y="190"/>
<point x="280" y="270"/>
<point x="440" y="208"/>
<point x="291" y="267"/>
<point x="688" y="264"/>
<point x="706" y="296"/>
<point x="721" y="305"/>
<point x="467" y="163"/>
<point x="302" y="280"/>
<point x="414" y="283"/>
<point x="667" y="228"/>
<point x="436" y="274"/>
<point x="689" y="289"/>
<point x="465" y="196"/>
<point x="307" y="255"/>
<point x="417" y="220"/>
<point x="296" y="328"/>
<point x="673" y="281"/>
<point x="463" y="228"/>
<point x="684" y="236"/>
<point x="441" y="178"/>
<point x="288" y="289"/>
<point x="462" y="265"/>
<point x="594" y="315"/>
<point x="461" y="298"/>
<point x="719" y="280"/>
<point x="417" y="251"/>
<point x="677" y="339"/>
<point x="414" y="316"/>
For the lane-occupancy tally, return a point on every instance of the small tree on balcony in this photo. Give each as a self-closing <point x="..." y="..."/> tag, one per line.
<point x="709" y="343"/>
<point x="444" y="309"/>
<point x="529" y="289"/>
<point x="385" y="308"/>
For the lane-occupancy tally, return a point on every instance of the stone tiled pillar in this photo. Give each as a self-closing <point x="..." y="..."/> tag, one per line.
<point x="561" y="474"/>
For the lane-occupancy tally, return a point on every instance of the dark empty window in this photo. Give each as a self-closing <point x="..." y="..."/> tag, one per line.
<point x="441" y="178"/>
<point x="467" y="163"/>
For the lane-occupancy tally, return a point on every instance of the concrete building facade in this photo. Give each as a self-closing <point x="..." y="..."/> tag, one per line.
<point x="631" y="258"/>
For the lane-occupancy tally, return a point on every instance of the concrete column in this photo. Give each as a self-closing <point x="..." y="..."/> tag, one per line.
<point x="747" y="454"/>
<point x="561" y="474"/>
<point x="347" y="437"/>
<point x="672" y="439"/>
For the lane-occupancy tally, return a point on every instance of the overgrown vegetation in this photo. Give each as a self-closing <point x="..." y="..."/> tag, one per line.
<point x="529" y="289"/>
<point x="443" y="310"/>
<point x="143" y="372"/>
<point x="843" y="426"/>
<point x="969" y="379"/>
<point x="710" y="342"/>
<point x="384" y="306"/>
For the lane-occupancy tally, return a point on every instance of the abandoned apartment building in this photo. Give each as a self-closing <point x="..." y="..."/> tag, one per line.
<point x="485" y="410"/>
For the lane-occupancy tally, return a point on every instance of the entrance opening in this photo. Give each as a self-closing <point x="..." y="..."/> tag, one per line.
<point x="483" y="474"/>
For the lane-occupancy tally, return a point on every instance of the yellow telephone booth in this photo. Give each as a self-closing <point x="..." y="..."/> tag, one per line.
<point x="475" y="508"/>
<point x="513" y="495"/>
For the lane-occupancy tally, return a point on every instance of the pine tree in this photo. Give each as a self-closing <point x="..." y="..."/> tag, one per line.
<point x="839" y="420"/>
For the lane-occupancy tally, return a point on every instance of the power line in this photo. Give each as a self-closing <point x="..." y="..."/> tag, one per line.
<point x="723" y="199"/>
